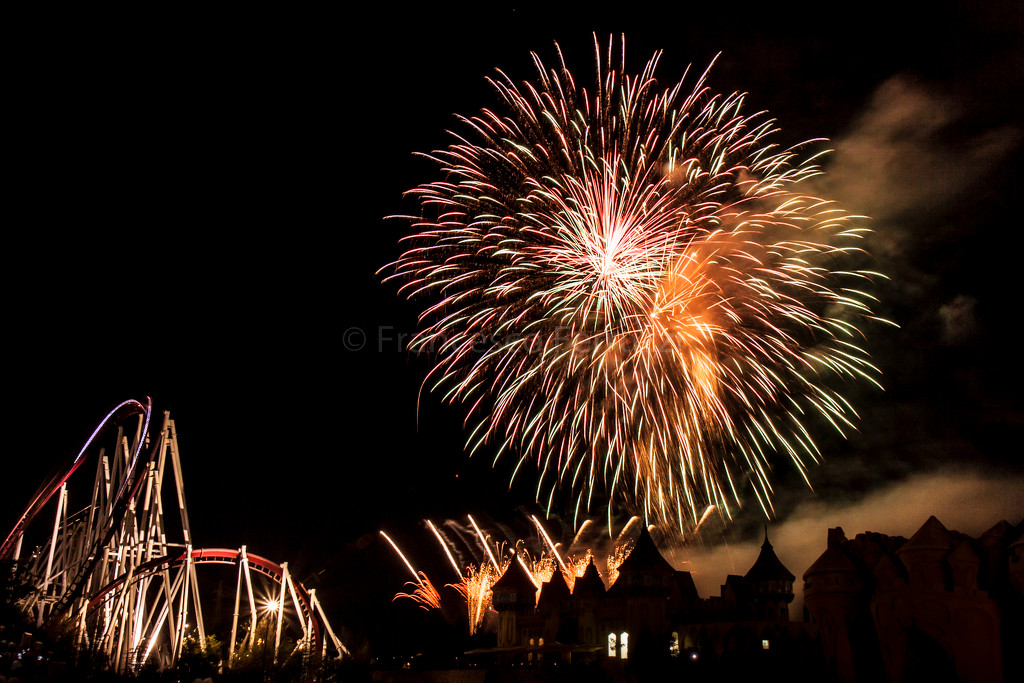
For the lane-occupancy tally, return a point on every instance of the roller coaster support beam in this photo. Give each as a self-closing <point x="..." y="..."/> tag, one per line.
<point x="280" y="609"/>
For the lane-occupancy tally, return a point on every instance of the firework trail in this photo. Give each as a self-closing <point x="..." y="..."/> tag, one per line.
<point x="625" y="286"/>
<point x="447" y="550"/>
<point x="423" y="591"/>
<point x="476" y="580"/>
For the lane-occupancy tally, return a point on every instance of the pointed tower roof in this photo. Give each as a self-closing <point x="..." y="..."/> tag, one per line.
<point x="590" y="584"/>
<point x="835" y="557"/>
<point x="517" y="582"/>
<point x="645" y="557"/>
<point x="767" y="566"/>
<point x="997" y="532"/>
<point x="964" y="553"/>
<point x="553" y="592"/>
<point x="644" y="572"/>
<point x="832" y="560"/>
<point x="931" y="536"/>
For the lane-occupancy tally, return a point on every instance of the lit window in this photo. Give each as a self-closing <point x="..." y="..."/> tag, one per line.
<point x="624" y="644"/>
<point x="673" y="644"/>
<point x="613" y="648"/>
<point x="764" y="644"/>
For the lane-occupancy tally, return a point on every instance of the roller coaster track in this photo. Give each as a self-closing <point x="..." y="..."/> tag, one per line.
<point x="118" y="573"/>
<point x="314" y="621"/>
<point x="54" y="484"/>
<point x="102" y="527"/>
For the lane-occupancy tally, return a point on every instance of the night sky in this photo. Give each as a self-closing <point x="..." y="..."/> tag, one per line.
<point x="196" y="213"/>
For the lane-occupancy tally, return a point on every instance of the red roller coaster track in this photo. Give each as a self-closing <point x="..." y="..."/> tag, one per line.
<point x="229" y="556"/>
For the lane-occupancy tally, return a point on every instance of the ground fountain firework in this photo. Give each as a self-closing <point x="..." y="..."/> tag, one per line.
<point x="491" y="557"/>
<point x="627" y="286"/>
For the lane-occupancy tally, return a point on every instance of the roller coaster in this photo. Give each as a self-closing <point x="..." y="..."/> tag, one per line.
<point x="121" y="573"/>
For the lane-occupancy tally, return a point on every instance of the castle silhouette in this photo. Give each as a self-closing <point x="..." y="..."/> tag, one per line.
<point x="941" y="606"/>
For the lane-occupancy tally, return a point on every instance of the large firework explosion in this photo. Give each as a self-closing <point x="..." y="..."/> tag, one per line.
<point x="626" y="286"/>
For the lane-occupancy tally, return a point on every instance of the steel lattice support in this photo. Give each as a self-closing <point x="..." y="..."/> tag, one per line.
<point x="126" y="579"/>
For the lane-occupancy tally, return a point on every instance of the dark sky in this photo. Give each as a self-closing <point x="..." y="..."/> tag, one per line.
<point x="196" y="208"/>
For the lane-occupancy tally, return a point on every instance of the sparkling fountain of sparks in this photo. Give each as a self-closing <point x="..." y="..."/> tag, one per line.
<point x="476" y="579"/>
<point x="475" y="588"/>
<point x="626" y="286"/>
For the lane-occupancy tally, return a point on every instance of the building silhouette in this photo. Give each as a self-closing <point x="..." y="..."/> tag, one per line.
<point x="651" y="619"/>
<point x="941" y="606"/>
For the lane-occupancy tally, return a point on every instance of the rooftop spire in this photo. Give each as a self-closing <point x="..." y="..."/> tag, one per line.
<point x="768" y="566"/>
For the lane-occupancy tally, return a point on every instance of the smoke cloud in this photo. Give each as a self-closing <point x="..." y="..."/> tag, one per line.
<point x="970" y="502"/>
<point x="912" y="154"/>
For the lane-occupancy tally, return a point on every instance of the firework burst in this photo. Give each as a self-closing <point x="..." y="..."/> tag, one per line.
<point x="626" y="286"/>
<point x="477" y="578"/>
<point x="423" y="592"/>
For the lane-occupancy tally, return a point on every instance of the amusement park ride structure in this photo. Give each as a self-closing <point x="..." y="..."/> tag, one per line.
<point x="121" y="573"/>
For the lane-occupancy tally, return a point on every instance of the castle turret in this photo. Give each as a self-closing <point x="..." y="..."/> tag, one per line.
<point x="514" y="596"/>
<point x="644" y="584"/>
<point x="915" y="609"/>
<point x="587" y="594"/>
<point x="770" y="584"/>
<point x="940" y="619"/>
<point x="645" y="572"/>
<point x="834" y="596"/>
<point x="554" y="608"/>
<point x="924" y="553"/>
